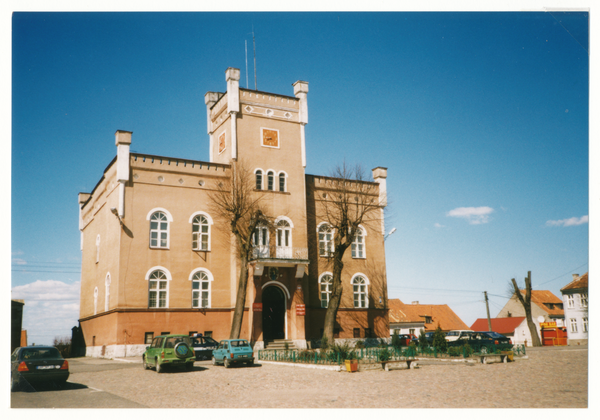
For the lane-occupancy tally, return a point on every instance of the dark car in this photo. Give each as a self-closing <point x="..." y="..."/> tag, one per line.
<point x="483" y="341"/>
<point x="37" y="364"/>
<point x="406" y="339"/>
<point x="203" y="347"/>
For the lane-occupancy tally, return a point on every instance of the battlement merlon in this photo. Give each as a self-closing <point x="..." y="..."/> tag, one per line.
<point x="379" y="176"/>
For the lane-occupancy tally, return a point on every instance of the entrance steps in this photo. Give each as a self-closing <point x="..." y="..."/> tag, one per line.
<point x="280" y="344"/>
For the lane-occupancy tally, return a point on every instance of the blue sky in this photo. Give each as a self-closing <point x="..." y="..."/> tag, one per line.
<point x="480" y="118"/>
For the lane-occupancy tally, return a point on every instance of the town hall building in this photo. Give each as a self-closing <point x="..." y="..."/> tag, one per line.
<point x="157" y="258"/>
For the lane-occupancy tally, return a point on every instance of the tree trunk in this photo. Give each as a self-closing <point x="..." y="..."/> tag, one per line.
<point x="336" y="297"/>
<point x="535" y="339"/>
<point x="240" y="302"/>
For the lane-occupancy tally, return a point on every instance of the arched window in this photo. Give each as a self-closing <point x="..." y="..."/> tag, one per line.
<point x="159" y="230"/>
<point x="325" y="240"/>
<point x="201" y="233"/>
<point x="270" y="181"/>
<point x="260" y="240"/>
<point x="259" y="177"/>
<point x="107" y="292"/>
<point x="95" y="300"/>
<point x="325" y="289"/>
<point x="284" y="239"/>
<point x="201" y="289"/>
<point x="358" y="245"/>
<point x="158" y="289"/>
<point x="360" y="290"/>
<point x="98" y="248"/>
<point x="282" y="182"/>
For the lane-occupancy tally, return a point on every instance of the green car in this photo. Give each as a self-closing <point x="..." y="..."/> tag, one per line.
<point x="169" y="350"/>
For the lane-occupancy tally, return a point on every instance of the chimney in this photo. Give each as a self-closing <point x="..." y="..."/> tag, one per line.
<point x="233" y="104"/>
<point x="300" y="91"/>
<point x="416" y="302"/>
<point x="122" y="141"/>
<point x="575" y="277"/>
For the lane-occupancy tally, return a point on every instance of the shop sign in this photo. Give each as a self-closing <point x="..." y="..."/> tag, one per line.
<point x="548" y="324"/>
<point x="257" y="307"/>
<point x="300" y="309"/>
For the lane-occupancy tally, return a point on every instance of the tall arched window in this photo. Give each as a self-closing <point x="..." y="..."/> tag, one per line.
<point x="360" y="290"/>
<point x="270" y="181"/>
<point x="358" y="245"/>
<point x="282" y="182"/>
<point x="259" y="176"/>
<point x="95" y="300"/>
<point x="260" y="240"/>
<point x="98" y="248"/>
<point x="200" y="233"/>
<point x="107" y="292"/>
<point x="325" y="240"/>
<point x="158" y="289"/>
<point x="159" y="230"/>
<point x="201" y="289"/>
<point x="284" y="239"/>
<point x="325" y="289"/>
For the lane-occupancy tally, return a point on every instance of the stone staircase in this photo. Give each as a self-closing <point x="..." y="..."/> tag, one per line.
<point x="279" y="344"/>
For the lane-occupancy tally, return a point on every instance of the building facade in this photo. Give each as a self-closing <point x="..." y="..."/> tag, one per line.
<point x="414" y="317"/>
<point x="157" y="257"/>
<point x="575" y="300"/>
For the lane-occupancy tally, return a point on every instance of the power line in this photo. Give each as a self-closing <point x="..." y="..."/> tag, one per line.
<point x="568" y="272"/>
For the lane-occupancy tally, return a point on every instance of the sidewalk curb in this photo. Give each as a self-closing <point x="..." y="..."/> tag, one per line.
<point x="303" y="365"/>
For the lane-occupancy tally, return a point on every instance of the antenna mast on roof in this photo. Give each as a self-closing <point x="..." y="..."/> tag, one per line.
<point x="246" y="43"/>
<point x="254" y="43"/>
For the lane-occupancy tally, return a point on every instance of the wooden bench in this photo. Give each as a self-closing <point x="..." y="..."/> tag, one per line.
<point x="410" y="364"/>
<point x="492" y="358"/>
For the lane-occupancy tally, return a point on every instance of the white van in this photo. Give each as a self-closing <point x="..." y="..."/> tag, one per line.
<point x="457" y="334"/>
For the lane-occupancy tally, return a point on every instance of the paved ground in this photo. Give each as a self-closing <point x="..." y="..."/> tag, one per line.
<point x="548" y="378"/>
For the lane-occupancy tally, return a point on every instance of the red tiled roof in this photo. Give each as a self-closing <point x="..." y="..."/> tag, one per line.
<point x="579" y="283"/>
<point x="442" y="314"/>
<point x="499" y="325"/>
<point x="544" y="297"/>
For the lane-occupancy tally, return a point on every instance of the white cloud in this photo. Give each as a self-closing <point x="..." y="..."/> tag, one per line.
<point x="573" y="221"/>
<point x="51" y="309"/>
<point x="19" y="261"/>
<point x="474" y="215"/>
<point x="437" y="225"/>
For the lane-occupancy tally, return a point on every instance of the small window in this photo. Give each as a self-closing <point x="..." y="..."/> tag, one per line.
<point x="358" y="245"/>
<point x="259" y="179"/>
<point x="325" y="240"/>
<point x="207" y="333"/>
<point x="585" y="324"/>
<point x="570" y="301"/>
<point x="165" y="333"/>
<point x="359" y="286"/>
<point x="573" y="323"/>
<point x="158" y="290"/>
<point x="368" y="333"/>
<point x="97" y="248"/>
<point x="583" y="300"/>
<point x="148" y="337"/>
<point x="325" y="283"/>
<point x="282" y="182"/>
<point x="336" y="333"/>
<point x="428" y="320"/>
<point x="159" y="230"/>
<point x="356" y="332"/>
<point x="200" y="233"/>
<point x="200" y="290"/>
<point x="270" y="180"/>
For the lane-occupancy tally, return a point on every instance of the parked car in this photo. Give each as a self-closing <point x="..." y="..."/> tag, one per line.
<point x="483" y="341"/>
<point x="203" y="346"/>
<point x="37" y="364"/>
<point x="169" y="350"/>
<point x="429" y="337"/>
<point x="406" y="339"/>
<point x="232" y="352"/>
<point x="456" y="334"/>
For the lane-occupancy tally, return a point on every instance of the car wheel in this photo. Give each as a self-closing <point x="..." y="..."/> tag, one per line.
<point x="214" y="361"/>
<point x="158" y="368"/>
<point x="226" y="362"/>
<point x="181" y="350"/>
<point x="189" y="366"/>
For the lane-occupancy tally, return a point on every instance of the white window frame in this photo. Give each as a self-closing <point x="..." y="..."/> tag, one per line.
<point x="259" y="172"/>
<point x="158" y="289"/>
<point x="573" y="324"/>
<point x="168" y="230"/>
<point x="583" y="300"/>
<point x="586" y="326"/>
<point x="285" y="181"/>
<point x="208" y="280"/>
<point x="261" y="242"/>
<point x="364" y="304"/>
<point x="106" y="292"/>
<point x="327" y="290"/>
<point x="209" y="223"/>
<point x="98" y="248"/>
<point x="283" y="234"/>
<point x="95" y="300"/>
<point x="356" y="245"/>
<point x="570" y="301"/>
<point x="328" y="249"/>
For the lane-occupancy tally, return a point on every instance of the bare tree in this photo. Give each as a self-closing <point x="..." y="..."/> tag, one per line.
<point x="351" y="201"/>
<point x="526" y="302"/>
<point x="235" y="200"/>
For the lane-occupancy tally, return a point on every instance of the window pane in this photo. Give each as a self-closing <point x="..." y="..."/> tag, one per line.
<point x="153" y="284"/>
<point x="162" y="300"/>
<point x="162" y="285"/>
<point x="152" y="299"/>
<point x="195" y="285"/>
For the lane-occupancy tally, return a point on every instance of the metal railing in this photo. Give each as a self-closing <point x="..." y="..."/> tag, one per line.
<point x="279" y="252"/>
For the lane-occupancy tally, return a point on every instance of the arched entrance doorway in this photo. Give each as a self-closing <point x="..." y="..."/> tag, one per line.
<point x="273" y="313"/>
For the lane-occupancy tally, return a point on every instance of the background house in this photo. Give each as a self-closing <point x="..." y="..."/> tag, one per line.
<point x="575" y="300"/>
<point x="543" y="304"/>
<point x="410" y="319"/>
<point x="514" y="327"/>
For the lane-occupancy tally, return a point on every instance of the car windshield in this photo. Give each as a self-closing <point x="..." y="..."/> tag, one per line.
<point x="37" y="354"/>
<point x="452" y="333"/>
<point x="209" y="340"/>
<point x="239" y="343"/>
<point x="494" y="334"/>
<point x="173" y="341"/>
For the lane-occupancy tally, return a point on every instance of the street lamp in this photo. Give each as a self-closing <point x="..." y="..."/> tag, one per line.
<point x="391" y="231"/>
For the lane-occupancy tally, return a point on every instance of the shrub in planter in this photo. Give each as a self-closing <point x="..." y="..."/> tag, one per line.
<point x="384" y="355"/>
<point x="455" y="351"/>
<point x="396" y="341"/>
<point x="439" y="339"/>
<point x="423" y="343"/>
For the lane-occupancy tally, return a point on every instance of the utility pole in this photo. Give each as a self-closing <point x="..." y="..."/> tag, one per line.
<point x="487" y="307"/>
